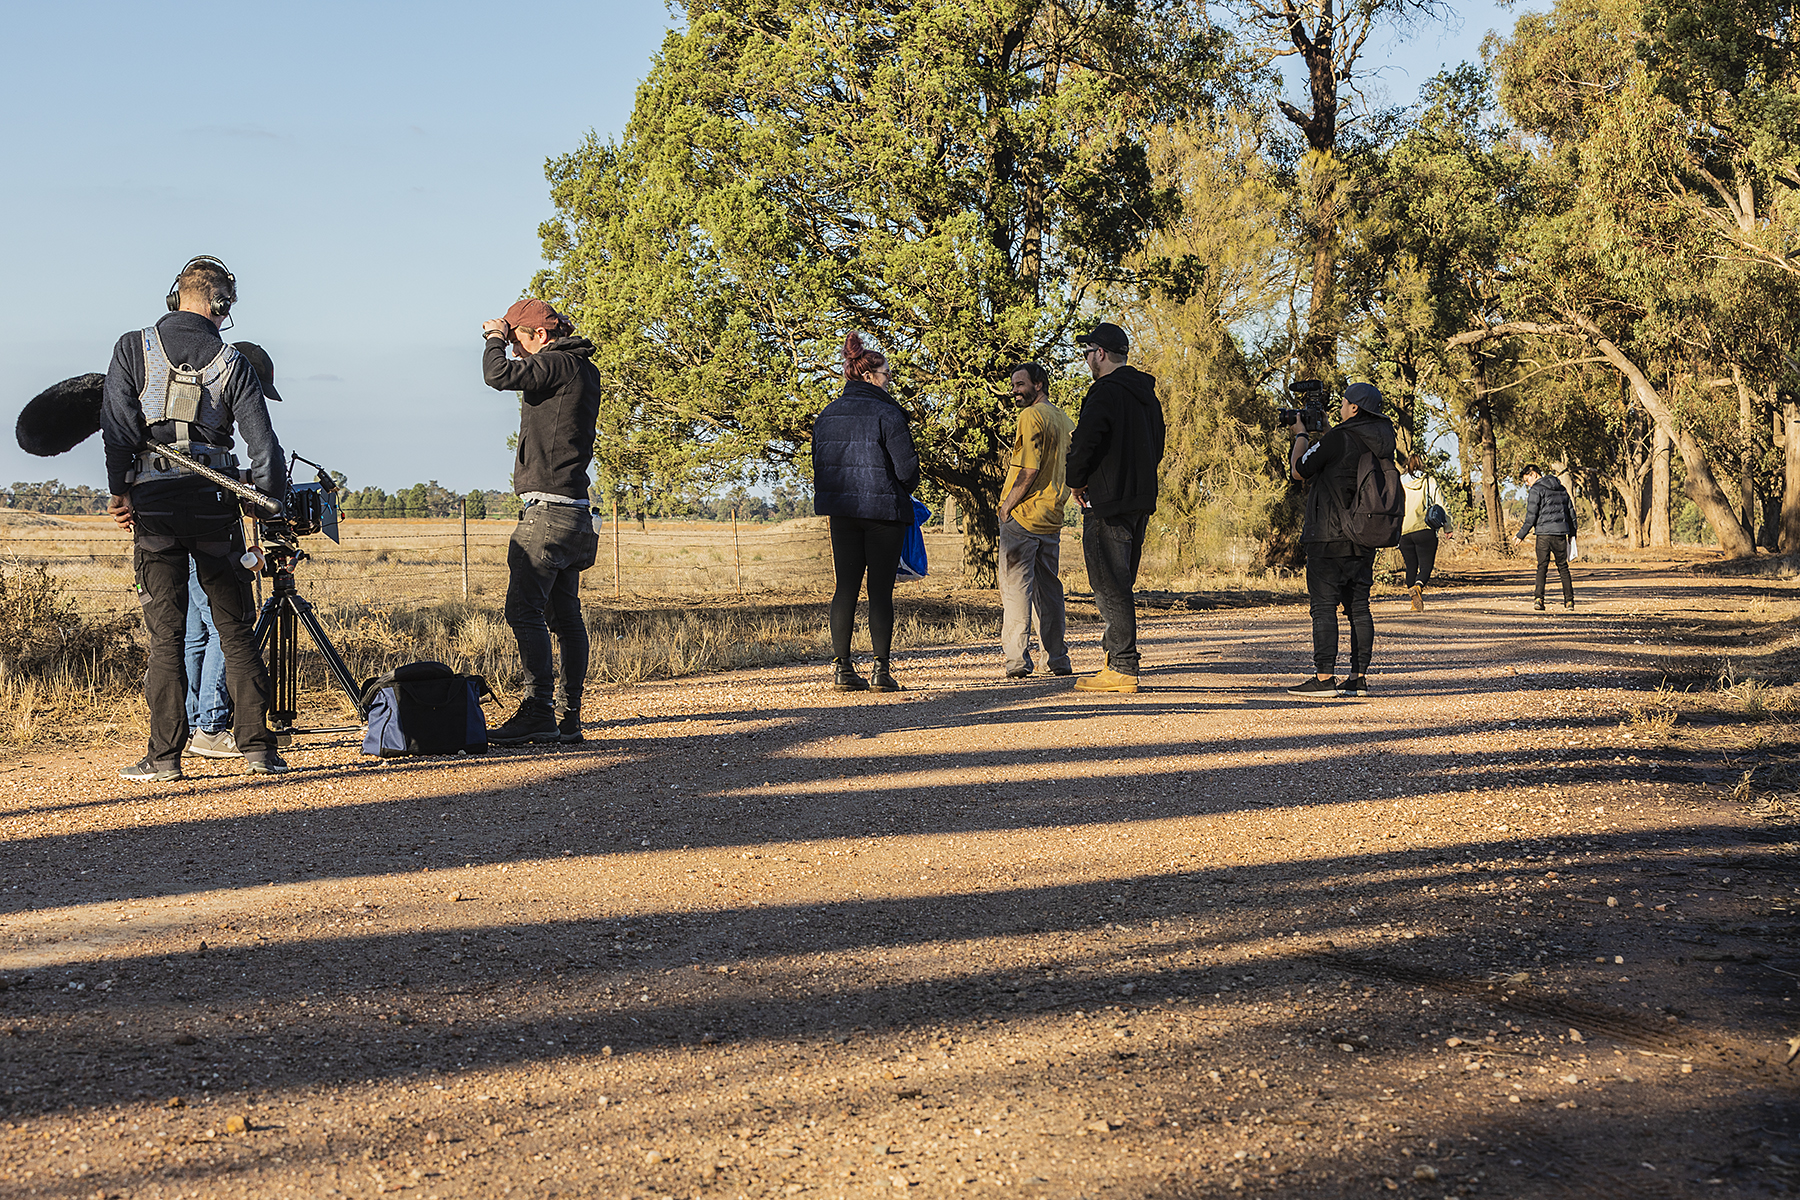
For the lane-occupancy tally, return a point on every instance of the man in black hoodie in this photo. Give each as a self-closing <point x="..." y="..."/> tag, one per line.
<point x="1548" y="510"/>
<point x="1339" y="573"/>
<point x="554" y="541"/>
<point x="1113" y="457"/>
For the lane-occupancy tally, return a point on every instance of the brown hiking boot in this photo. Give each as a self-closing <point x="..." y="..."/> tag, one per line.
<point x="1107" y="680"/>
<point x="1418" y="597"/>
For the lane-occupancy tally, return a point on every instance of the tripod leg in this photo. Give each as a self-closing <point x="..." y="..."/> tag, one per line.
<point x="333" y="660"/>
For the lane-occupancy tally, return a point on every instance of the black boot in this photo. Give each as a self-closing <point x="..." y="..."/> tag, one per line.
<point x="568" y="726"/>
<point x="534" y="722"/>
<point x="845" y="678"/>
<point x="881" y="679"/>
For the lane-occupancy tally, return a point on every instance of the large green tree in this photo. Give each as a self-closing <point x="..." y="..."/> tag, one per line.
<point x="958" y="179"/>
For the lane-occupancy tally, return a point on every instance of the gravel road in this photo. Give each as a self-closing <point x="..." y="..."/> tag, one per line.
<point x="1500" y="929"/>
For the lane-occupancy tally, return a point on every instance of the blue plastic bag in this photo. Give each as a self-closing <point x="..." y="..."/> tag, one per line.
<point x="912" y="546"/>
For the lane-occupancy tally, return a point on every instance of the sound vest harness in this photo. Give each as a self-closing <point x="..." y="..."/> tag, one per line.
<point x="186" y="396"/>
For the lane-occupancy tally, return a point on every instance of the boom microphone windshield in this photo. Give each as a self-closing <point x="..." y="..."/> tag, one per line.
<point x="61" y="417"/>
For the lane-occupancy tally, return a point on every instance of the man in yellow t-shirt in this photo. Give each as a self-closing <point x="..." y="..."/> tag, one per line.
<point x="1031" y="524"/>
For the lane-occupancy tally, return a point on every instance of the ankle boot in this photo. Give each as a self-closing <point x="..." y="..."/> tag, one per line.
<point x="534" y="722"/>
<point x="1418" y="597"/>
<point x="845" y="678"/>
<point x="881" y="679"/>
<point x="568" y="725"/>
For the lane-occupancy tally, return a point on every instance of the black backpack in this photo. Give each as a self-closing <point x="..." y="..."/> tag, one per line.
<point x="1373" y="518"/>
<point x="425" y="708"/>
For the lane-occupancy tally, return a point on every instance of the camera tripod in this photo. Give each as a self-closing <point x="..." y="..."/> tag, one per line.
<point x="278" y="628"/>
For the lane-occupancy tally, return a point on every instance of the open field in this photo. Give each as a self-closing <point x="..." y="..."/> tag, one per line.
<point x="1522" y="924"/>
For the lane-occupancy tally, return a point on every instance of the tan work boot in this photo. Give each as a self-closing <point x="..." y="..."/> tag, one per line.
<point x="1418" y="597"/>
<point x="1107" y="680"/>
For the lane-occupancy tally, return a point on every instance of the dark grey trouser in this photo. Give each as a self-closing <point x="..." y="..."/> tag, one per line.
<point x="175" y="522"/>
<point x="1555" y="546"/>
<point x="1334" y="583"/>
<point x="551" y="546"/>
<point x="1029" y="583"/>
<point x="1113" y="547"/>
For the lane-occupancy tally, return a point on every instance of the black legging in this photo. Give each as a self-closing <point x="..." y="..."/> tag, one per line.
<point x="1418" y="550"/>
<point x="861" y="546"/>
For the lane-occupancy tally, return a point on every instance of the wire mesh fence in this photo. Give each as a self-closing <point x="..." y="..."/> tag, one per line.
<point x="380" y="562"/>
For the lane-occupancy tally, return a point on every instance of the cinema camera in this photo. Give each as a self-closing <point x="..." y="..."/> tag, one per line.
<point x="1308" y="406"/>
<point x="310" y="508"/>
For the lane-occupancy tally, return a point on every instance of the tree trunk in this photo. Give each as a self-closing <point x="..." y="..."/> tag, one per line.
<point x="1660" y="469"/>
<point x="1746" y="452"/>
<point x="1489" y="452"/>
<point x="950" y="514"/>
<point x="1789" y="441"/>
<point x="981" y="538"/>
<point x="1631" y="495"/>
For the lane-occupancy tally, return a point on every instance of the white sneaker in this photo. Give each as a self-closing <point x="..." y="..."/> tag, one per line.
<point x="214" y="745"/>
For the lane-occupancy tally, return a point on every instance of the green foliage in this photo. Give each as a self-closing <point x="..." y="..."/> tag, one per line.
<point x="53" y="496"/>
<point x="953" y="178"/>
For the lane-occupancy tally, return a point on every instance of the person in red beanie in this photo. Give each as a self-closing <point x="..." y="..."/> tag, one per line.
<point x="554" y="541"/>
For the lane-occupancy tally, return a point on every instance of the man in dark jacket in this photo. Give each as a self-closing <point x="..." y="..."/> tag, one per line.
<point x="1339" y="573"/>
<point x="1550" y="511"/>
<point x="178" y="384"/>
<point x="1113" y="458"/>
<point x="554" y="541"/>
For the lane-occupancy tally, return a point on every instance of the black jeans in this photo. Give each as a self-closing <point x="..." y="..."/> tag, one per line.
<point x="1555" y="546"/>
<point x="864" y="546"/>
<point x="1334" y="583"/>
<point x="1113" y="547"/>
<point x="551" y="546"/>
<point x="1418" y="551"/>
<point x="175" y="521"/>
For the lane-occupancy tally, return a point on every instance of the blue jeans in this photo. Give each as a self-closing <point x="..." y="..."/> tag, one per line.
<point x="208" y="701"/>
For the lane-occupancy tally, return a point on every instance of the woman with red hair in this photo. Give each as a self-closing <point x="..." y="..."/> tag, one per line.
<point x="864" y="473"/>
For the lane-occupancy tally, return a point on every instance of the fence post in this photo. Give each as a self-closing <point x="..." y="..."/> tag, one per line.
<point x="617" y="585"/>
<point x="465" y="527"/>
<point x="738" y="550"/>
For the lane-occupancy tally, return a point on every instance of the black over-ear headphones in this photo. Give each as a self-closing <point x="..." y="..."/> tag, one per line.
<point x="221" y="305"/>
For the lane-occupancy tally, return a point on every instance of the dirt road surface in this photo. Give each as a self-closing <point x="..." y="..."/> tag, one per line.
<point x="1499" y="930"/>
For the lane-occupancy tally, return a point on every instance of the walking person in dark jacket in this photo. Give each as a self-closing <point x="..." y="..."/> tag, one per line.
<point x="1339" y="572"/>
<point x="864" y="474"/>
<point x="1550" y="511"/>
<point x="1113" y="458"/>
<point x="554" y="541"/>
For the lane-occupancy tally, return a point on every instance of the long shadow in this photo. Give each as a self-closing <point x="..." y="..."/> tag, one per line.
<point x="777" y="793"/>
<point x="1169" y="935"/>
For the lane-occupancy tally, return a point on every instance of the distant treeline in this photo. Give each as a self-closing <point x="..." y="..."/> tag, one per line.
<point x="430" y="499"/>
<point x="52" y="496"/>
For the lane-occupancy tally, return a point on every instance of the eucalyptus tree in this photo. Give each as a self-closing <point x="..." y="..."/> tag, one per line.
<point x="1327" y="37"/>
<point x="960" y="179"/>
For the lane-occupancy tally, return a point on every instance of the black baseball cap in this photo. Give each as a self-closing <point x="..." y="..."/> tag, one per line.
<point x="1366" y="397"/>
<point x="262" y="364"/>
<point x="1108" y="337"/>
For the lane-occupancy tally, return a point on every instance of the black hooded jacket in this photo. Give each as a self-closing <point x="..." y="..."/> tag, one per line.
<point x="1118" y="443"/>
<point x="1329" y="467"/>
<point x="561" y="393"/>
<point x="1548" y="509"/>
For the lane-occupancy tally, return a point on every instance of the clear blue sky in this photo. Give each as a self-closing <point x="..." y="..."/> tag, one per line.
<point x="372" y="173"/>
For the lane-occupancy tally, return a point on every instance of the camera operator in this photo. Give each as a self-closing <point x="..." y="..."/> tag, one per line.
<point x="1339" y="573"/>
<point x="177" y="384"/>
<point x="554" y="541"/>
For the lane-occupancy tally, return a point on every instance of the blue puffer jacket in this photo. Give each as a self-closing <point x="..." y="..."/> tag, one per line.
<point x="1548" y="509"/>
<point x="863" y="459"/>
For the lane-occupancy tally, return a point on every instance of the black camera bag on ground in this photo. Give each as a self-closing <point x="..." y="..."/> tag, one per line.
<point x="425" y="708"/>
